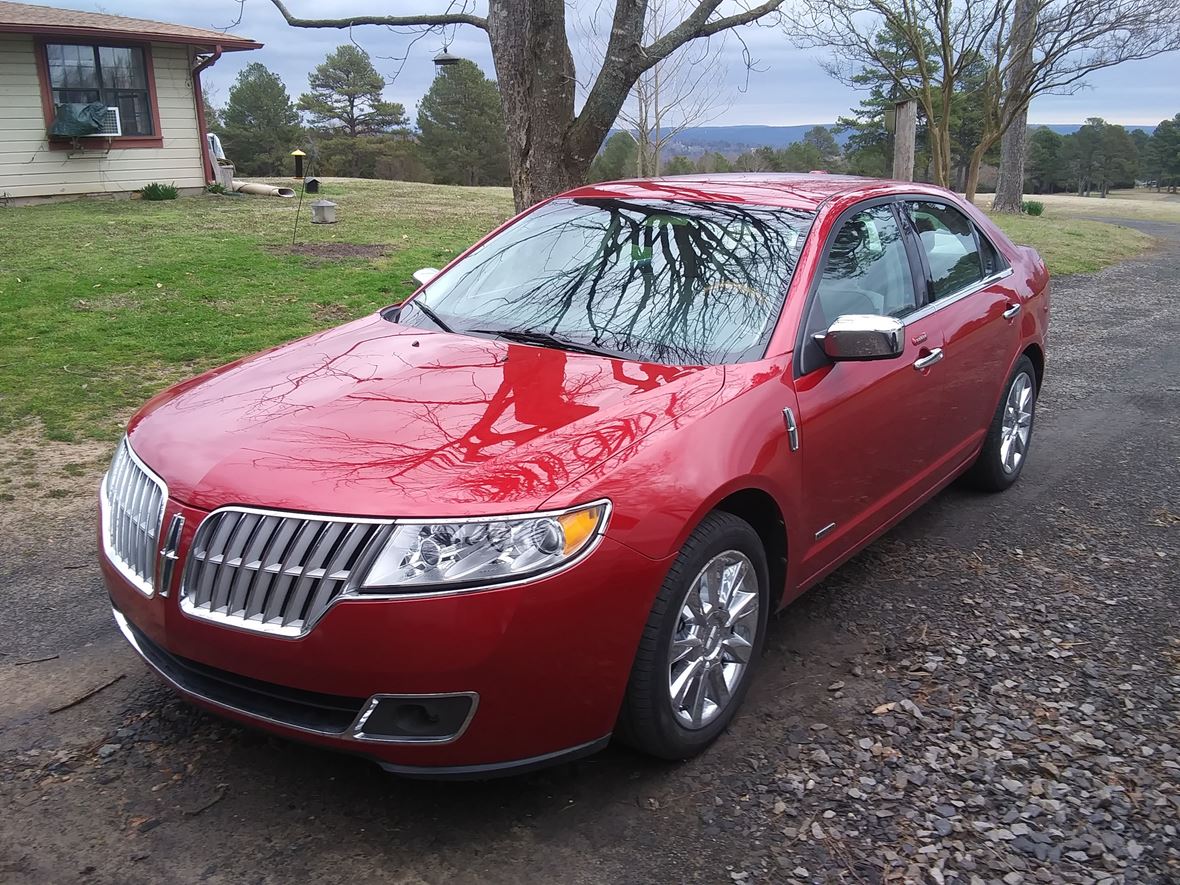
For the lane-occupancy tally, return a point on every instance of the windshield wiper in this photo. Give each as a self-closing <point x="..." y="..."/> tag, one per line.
<point x="548" y="339"/>
<point x="430" y="315"/>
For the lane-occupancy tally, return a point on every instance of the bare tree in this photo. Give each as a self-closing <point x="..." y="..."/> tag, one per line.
<point x="1051" y="47"/>
<point x="684" y="90"/>
<point x="550" y="147"/>
<point x="930" y="45"/>
<point x="1070" y="39"/>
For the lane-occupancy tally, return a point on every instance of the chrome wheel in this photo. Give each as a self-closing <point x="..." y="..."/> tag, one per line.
<point x="1016" y="426"/>
<point x="714" y="639"/>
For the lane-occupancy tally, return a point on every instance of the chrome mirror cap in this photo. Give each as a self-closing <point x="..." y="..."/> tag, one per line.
<point x="424" y="275"/>
<point x="859" y="336"/>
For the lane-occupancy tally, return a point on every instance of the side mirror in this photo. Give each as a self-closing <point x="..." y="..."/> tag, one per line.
<point x="424" y="275"/>
<point x="863" y="337"/>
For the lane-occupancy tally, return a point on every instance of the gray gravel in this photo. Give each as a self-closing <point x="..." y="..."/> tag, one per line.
<point x="989" y="694"/>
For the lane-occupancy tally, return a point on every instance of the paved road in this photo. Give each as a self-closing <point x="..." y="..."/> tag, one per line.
<point x="1027" y="642"/>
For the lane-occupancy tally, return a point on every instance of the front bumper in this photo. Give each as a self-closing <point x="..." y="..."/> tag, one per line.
<point x="545" y="663"/>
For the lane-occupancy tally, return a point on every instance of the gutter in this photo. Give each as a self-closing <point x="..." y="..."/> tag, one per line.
<point x="199" y="103"/>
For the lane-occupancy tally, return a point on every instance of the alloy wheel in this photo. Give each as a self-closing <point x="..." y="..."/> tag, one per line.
<point x="1016" y="426"/>
<point x="714" y="639"/>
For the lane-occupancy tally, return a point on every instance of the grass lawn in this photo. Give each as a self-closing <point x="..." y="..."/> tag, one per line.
<point x="1137" y="205"/>
<point x="1071" y="245"/>
<point x="106" y="302"/>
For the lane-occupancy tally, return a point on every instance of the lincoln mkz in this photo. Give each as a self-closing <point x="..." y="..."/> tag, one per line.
<point x="555" y="495"/>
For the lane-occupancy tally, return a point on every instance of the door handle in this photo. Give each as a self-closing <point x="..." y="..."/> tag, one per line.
<point x="925" y="362"/>
<point x="1012" y="310"/>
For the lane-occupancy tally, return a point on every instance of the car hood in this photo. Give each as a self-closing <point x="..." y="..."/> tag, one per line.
<point x="378" y="419"/>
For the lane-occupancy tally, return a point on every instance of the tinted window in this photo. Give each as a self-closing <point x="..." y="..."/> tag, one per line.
<point x="867" y="272"/>
<point x="666" y="282"/>
<point x="951" y="245"/>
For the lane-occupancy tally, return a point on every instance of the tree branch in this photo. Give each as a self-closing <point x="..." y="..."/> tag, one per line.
<point x="393" y="21"/>
<point x="697" y="24"/>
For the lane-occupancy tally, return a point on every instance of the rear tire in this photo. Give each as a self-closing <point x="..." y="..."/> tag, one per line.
<point x="703" y="637"/>
<point x="1005" y="450"/>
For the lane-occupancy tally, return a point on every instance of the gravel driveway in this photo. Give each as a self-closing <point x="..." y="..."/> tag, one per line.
<point x="988" y="694"/>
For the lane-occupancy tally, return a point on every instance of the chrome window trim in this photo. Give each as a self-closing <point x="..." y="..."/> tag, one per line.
<point x="353" y="590"/>
<point x="147" y="588"/>
<point x="933" y="307"/>
<point x="352" y="733"/>
<point x="357" y="730"/>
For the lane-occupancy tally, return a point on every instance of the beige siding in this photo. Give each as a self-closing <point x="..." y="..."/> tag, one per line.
<point x="29" y="169"/>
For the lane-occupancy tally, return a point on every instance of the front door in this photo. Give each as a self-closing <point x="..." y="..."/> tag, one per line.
<point x="868" y="430"/>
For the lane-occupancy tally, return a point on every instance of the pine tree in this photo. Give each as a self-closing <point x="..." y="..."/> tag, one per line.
<point x="462" y="128"/>
<point x="259" y="125"/>
<point x="619" y="159"/>
<point x="345" y="96"/>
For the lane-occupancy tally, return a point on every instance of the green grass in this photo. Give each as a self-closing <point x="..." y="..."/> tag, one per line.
<point x="106" y="302"/>
<point x="1071" y="245"/>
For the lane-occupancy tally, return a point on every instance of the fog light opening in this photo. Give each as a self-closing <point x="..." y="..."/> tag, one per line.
<point x="411" y="718"/>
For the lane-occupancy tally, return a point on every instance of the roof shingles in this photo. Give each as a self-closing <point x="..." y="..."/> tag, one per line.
<point x="30" y="18"/>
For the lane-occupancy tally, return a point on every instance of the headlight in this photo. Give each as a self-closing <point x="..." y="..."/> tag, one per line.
<point x="421" y="556"/>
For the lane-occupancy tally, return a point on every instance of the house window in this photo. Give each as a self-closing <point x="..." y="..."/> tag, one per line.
<point x="114" y="75"/>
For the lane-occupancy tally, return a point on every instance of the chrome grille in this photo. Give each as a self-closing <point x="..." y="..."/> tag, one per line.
<point x="272" y="572"/>
<point x="132" y="509"/>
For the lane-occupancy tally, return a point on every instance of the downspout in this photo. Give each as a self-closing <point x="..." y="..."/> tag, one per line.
<point x="199" y="101"/>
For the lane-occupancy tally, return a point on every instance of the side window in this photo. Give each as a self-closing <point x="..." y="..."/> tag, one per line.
<point x="867" y="272"/>
<point x="951" y="245"/>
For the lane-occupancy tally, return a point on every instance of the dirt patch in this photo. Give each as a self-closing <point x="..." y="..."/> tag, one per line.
<point x="45" y="483"/>
<point x="114" y="302"/>
<point x="321" y="252"/>
<point x="331" y="314"/>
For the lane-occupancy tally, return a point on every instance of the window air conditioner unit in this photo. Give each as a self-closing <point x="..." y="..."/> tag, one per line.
<point x="111" y="125"/>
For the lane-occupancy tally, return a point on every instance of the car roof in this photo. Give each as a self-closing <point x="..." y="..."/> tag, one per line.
<point x="789" y="190"/>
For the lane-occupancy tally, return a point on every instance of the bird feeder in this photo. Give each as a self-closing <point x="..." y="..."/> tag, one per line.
<point x="298" y="155"/>
<point x="445" y="58"/>
<point x="323" y="212"/>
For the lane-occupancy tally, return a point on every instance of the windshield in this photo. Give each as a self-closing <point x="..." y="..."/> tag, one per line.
<point x="661" y="281"/>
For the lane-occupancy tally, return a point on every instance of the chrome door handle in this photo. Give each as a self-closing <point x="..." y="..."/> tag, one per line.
<point x="1012" y="310"/>
<point x="929" y="360"/>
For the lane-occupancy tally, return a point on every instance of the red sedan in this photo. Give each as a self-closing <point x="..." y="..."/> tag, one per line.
<point x="555" y="496"/>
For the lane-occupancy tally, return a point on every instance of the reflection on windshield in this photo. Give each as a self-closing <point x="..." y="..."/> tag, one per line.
<point x="665" y="282"/>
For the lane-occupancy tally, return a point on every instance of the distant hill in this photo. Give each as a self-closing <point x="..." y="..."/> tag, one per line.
<point x="733" y="140"/>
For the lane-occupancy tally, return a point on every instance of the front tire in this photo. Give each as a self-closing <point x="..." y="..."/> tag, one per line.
<point x="1010" y="434"/>
<point x="705" y="632"/>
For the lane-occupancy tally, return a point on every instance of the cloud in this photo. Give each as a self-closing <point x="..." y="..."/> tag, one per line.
<point x="786" y="86"/>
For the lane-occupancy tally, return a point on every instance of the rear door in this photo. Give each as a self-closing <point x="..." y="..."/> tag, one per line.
<point x="868" y="433"/>
<point x="974" y="312"/>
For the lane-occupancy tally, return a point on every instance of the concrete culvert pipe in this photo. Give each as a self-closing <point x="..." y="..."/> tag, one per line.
<point x="262" y="190"/>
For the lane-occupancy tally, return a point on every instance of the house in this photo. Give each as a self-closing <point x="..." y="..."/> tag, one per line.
<point x="145" y="74"/>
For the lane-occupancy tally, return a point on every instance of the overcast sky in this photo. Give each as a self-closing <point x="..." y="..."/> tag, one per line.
<point x="787" y="88"/>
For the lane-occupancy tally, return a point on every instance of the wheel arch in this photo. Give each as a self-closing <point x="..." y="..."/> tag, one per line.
<point x="759" y="508"/>
<point x="1037" y="357"/>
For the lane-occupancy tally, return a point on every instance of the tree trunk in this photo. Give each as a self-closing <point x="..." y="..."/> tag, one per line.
<point x="1010" y="186"/>
<point x="940" y="152"/>
<point x="972" y="183"/>
<point x="535" y="73"/>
